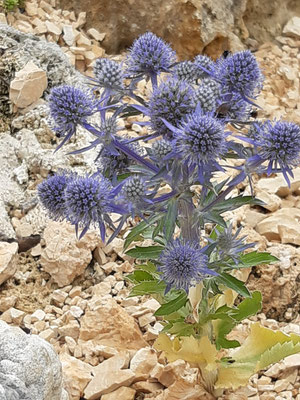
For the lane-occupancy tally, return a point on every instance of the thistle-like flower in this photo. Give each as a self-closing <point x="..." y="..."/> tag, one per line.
<point x="279" y="144"/>
<point x="134" y="189"/>
<point x="149" y="55"/>
<point x="51" y="195"/>
<point x="186" y="71"/>
<point x="202" y="64"/>
<point x="70" y="107"/>
<point x="229" y="245"/>
<point x="161" y="148"/>
<point x="170" y="101"/>
<point x="88" y="200"/>
<point x="207" y="97"/>
<point x="108" y="73"/>
<point x="240" y="73"/>
<point x="200" y="142"/>
<point x="183" y="264"/>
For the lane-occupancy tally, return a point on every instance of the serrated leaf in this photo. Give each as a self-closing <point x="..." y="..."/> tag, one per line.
<point x="255" y="258"/>
<point x="236" y="202"/>
<point x="139" y="276"/>
<point x="233" y="283"/>
<point x="214" y="217"/>
<point x="172" y="305"/>
<point x="189" y="349"/>
<point x="262" y="348"/>
<point x="140" y="228"/>
<point x="145" y="253"/>
<point x="148" y="287"/>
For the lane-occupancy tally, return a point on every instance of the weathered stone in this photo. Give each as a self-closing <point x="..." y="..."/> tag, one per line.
<point x="28" y="86"/>
<point x="65" y="257"/>
<point x="107" y="382"/>
<point x="69" y="36"/>
<point x="3" y="19"/>
<point x="168" y="374"/>
<point x="292" y="28"/>
<point x="38" y="315"/>
<point x="8" y="256"/>
<point x="272" y="202"/>
<point x="76" y="375"/>
<point x="96" y="34"/>
<point x="110" y="325"/>
<point x="29" y="369"/>
<point x="143" y="361"/>
<point x="7" y="302"/>
<point x="31" y="8"/>
<point x="124" y="393"/>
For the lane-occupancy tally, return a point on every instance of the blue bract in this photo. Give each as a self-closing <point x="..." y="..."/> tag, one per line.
<point x="70" y="107"/>
<point x="51" y="195"/>
<point x="240" y="73"/>
<point x="149" y="55"/>
<point x="183" y="264"/>
<point x="170" y="101"/>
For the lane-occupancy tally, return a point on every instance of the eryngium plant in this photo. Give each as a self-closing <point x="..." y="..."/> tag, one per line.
<point x="198" y="116"/>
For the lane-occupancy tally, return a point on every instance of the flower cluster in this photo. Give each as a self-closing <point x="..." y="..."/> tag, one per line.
<point x="187" y="140"/>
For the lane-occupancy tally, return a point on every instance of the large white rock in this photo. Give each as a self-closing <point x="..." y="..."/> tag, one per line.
<point x="29" y="367"/>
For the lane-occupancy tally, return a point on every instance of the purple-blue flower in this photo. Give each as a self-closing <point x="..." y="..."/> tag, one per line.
<point x="207" y="95"/>
<point x="51" y="194"/>
<point x="183" y="264"/>
<point x="134" y="189"/>
<point x="171" y="100"/>
<point x="239" y="73"/>
<point x="149" y="55"/>
<point x="160" y="149"/>
<point x="88" y="200"/>
<point x="278" y="143"/>
<point x="186" y="71"/>
<point x="201" y="141"/>
<point x="108" y="73"/>
<point x="202" y="64"/>
<point x="70" y="107"/>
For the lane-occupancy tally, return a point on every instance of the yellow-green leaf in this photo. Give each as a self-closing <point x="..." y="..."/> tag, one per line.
<point x="262" y="348"/>
<point x="188" y="349"/>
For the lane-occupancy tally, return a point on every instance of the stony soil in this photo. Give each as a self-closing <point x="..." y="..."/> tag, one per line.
<point x="75" y="295"/>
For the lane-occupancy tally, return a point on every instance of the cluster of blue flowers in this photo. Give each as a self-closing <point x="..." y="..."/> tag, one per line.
<point x="190" y="112"/>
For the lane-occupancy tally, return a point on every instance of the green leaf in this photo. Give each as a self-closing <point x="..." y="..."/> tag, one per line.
<point x="139" y="276"/>
<point x="233" y="283"/>
<point x="148" y="287"/>
<point x="170" y="219"/>
<point x="249" y="306"/>
<point x="255" y="258"/>
<point x="236" y="202"/>
<point x="140" y="228"/>
<point x="145" y="253"/>
<point x="173" y="305"/>
<point x="214" y="217"/>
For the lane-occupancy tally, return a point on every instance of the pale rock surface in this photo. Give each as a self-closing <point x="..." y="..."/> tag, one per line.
<point x="124" y="393"/>
<point x="8" y="256"/>
<point x="29" y="367"/>
<point x="28" y="85"/>
<point x="107" y="382"/>
<point x="272" y="202"/>
<point x="292" y="28"/>
<point x="76" y="375"/>
<point x="169" y="373"/>
<point x="111" y="326"/>
<point x="96" y="34"/>
<point x="13" y="316"/>
<point x="143" y="361"/>
<point x="65" y="257"/>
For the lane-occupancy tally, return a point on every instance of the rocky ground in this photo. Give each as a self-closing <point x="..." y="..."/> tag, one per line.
<point x="74" y="293"/>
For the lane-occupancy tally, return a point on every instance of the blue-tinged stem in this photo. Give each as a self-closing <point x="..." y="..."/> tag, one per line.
<point x="154" y="80"/>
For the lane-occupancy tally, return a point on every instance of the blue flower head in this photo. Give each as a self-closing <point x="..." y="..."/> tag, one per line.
<point x="51" y="194"/>
<point x="149" y="55"/>
<point x="183" y="264"/>
<point x="207" y="95"/>
<point x="88" y="199"/>
<point x="70" y="107"/>
<point x="134" y="189"/>
<point x="240" y="73"/>
<point x="171" y="100"/>
<point x="279" y="144"/>
<point x="108" y="73"/>
<point x="202" y="64"/>
<point x="186" y="71"/>
<point x="201" y="141"/>
<point x="161" y="148"/>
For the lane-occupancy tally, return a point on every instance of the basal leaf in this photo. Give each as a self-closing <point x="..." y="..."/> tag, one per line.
<point x="140" y="228"/>
<point x="148" y="287"/>
<point x="139" y="276"/>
